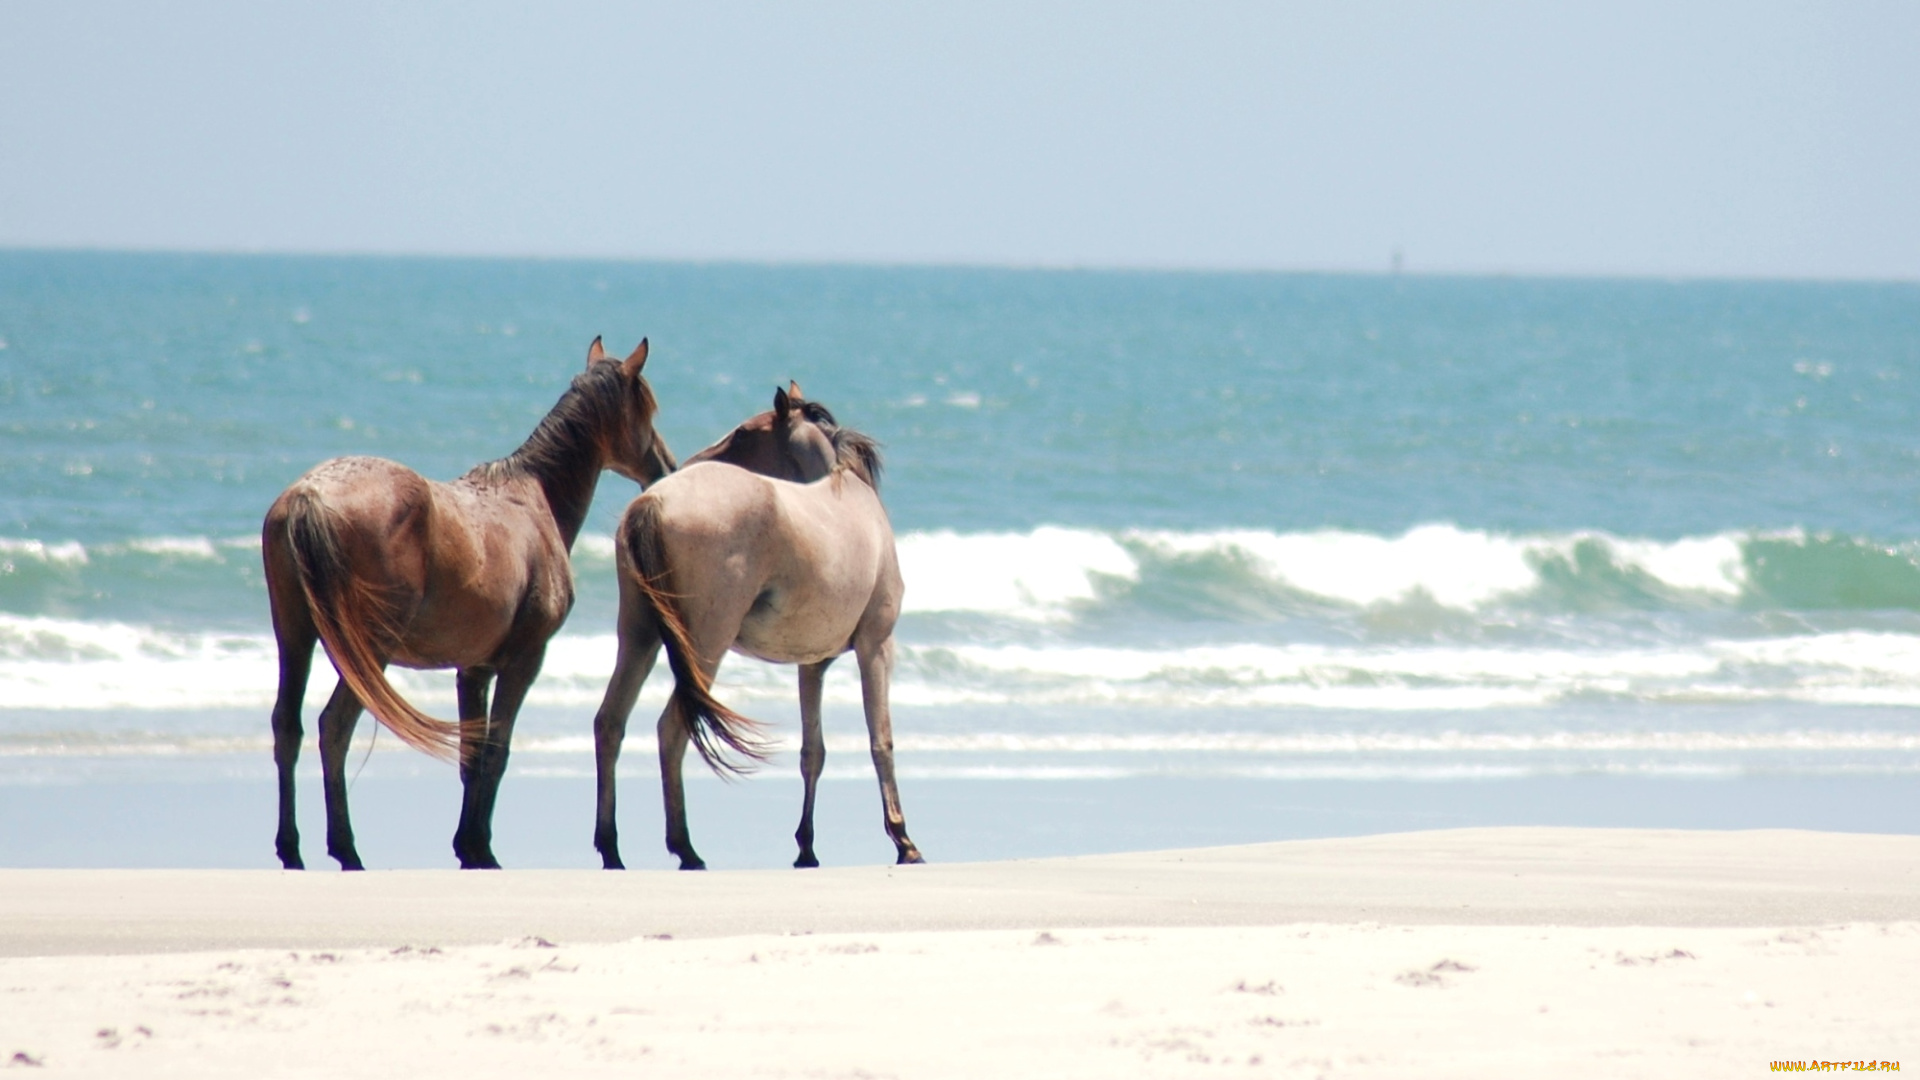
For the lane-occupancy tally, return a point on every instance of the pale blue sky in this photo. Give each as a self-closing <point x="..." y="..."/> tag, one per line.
<point x="1606" y="138"/>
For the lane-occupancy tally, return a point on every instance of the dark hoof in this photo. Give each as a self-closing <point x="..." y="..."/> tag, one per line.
<point x="910" y="857"/>
<point x="351" y="865"/>
<point x="488" y="863"/>
<point x="291" y="862"/>
<point x="611" y="862"/>
<point x="692" y="864"/>
<point x="806" y="861"/>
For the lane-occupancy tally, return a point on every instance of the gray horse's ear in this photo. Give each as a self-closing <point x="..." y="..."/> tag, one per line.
<point x="595" y="353"/>
<point x="793" y="391"/>
<point x="635" y="360"/>
<point x="782" y="405"/>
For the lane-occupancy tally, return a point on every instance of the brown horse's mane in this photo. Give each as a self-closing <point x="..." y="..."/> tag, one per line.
<point x="576" y="420"/>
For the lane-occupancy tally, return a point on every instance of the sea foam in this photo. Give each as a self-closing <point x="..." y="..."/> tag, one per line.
<point x="50" y="664"/>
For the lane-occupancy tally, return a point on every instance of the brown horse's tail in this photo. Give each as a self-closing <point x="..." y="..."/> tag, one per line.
<point x="351" y="616"/>
<point x="710" y="725"/>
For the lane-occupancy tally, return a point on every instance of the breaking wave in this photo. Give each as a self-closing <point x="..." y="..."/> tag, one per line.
<point x="1053" y="574"/>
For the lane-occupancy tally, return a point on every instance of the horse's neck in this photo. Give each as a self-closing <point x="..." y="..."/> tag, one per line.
<point x="569" y="497"/>
<point x="771" y="461"/>
<point x="567" y="476"/>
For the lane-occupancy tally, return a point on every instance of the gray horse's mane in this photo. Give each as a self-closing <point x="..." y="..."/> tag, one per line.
<point x="574" y="423"/>
<point x="852" y="450"/>
<point x="858" y="452"/>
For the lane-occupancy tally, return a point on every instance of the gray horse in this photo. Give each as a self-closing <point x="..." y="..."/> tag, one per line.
<point x="773" y="543"/>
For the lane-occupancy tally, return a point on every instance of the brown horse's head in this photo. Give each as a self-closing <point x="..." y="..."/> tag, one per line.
<point x="624" y="407"/>
<point x="793" y="441"/>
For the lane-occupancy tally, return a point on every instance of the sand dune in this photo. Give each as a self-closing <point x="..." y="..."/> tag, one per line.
<point x="1476" y="952"/>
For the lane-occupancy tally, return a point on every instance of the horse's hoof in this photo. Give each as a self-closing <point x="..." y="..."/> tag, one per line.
<point x="611" y="862"/>
<point x="488" y="863"/>
<point x="910" y="857"/>
<point x="692" y="864"/>
<point x="350" y="865"/>
<point x="806" y="861"/>
<point x="291" y="861"/>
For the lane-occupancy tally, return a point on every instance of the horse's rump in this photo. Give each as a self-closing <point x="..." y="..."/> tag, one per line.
<point x="710" y="725"/>
<point x="352" y="613"/>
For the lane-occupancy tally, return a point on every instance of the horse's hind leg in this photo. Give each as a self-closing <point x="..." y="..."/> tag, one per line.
<point x="296" y="662"/>
<point x="295" y="636"/>
<point x="639" y="649"/>
<point x="876" y="672"/>
<point x="337" y="721"/>
<point x="813" y="755"/>
<point x="473" y="843"/>
<point x="718" y="624"/>
<point x="672" y="732"/>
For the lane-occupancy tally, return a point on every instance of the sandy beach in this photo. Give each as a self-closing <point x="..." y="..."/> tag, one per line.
<point x="1469" y="952"/>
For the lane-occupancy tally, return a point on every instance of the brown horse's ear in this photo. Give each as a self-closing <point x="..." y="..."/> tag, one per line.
<point x="595" y="353"/>
<point x="793" y="391"/>
<point x="782" y="404"/>
<point x="636" y="360"/>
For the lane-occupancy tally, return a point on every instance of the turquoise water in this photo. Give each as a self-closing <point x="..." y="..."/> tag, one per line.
<point x="1250" y="526"/>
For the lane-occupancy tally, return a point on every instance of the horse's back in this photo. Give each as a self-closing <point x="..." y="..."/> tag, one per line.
<point x="839" y="504"/>
<point x="385" y="502"/>
<point x="710" y="493"/>
<point x="357" y="488"/>
<point x="713" y="510"/>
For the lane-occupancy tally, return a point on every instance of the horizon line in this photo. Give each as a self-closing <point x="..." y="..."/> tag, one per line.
<point x="937" y="263"/>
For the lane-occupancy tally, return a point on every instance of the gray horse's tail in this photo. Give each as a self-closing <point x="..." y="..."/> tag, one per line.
<point x="351" y="615"/>
<point x="712" y="727"/>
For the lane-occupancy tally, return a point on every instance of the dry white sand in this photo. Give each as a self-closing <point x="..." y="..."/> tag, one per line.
<point x="1500" y="952"/>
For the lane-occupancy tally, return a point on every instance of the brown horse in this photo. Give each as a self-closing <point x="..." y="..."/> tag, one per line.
<point x="385" y="566"/>
<point x="773" y="543"/>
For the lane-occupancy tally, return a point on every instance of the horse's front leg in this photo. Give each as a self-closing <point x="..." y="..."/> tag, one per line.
<point x="639" y="649"/>
<point x="337" y="721"/>
<point x="296" y="662"/>
<point x="471" y="684"/>
<point x="813" y="755"/>
<point x="672" y="731"/>
<point x="487" y="764"/>
<point x="876" y="673"/>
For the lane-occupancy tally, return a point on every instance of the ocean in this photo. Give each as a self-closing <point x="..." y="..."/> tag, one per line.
<point x="1190" y="557"/>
